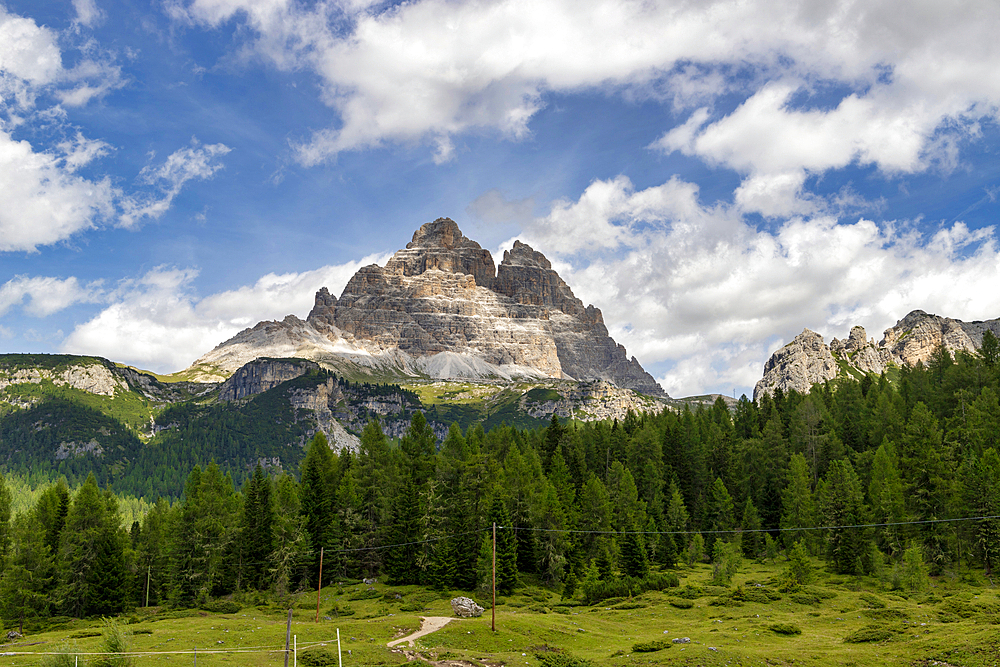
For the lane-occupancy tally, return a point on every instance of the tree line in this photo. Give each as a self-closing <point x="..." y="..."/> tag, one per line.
<point x="900" y="468"/>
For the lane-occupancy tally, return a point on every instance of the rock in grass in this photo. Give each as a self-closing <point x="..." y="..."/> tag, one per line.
<point x="466" y="607"/>
<point x="682" y="640"/>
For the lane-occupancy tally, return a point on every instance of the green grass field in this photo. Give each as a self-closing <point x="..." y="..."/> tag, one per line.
<point x="952" y="623"/>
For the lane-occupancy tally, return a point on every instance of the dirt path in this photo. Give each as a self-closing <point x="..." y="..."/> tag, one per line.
<point x="428" y="625"/>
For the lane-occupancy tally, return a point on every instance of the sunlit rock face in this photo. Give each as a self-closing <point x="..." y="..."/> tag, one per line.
<point x="441" y="307"/>
<point x="808" y="360"/>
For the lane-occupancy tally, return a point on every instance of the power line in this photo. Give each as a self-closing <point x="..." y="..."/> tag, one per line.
<point x="750" y="530"/>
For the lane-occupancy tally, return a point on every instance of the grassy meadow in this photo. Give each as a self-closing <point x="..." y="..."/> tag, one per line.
<point x="836" y="620"/>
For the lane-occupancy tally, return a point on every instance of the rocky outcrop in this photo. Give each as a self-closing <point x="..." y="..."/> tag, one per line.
<point x="808" y="360"/>
<point x="861" y="353"/>
<point x="262" y="374"/>
<point x="466" y="607"/>
<point x="439" y="308"/>
<point x="798" y="365"/>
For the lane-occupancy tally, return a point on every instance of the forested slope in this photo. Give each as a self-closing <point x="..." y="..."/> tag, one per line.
<point x="861" y="473"/>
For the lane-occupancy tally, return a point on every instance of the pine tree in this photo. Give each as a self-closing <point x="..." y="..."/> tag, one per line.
<point x="257" y="530"/>
<point x="798" y="507"/>
<point x="634" y="561"/>
<point x="886" y="494"/>
<point x="92" y="555"/>
<point x="751" y="539"/>
<point x="506" y="546"/>
<point x="843" y="506"/>
<point x="317" y="496"/>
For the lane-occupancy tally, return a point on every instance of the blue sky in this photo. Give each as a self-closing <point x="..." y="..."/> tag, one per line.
<point x="714" y="176"/>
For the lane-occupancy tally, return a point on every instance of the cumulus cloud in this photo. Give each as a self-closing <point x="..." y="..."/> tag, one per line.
<point x="46" y="295"/>
<point x="159" y="322"/>
<point x="45" y="200"/>
<point x="432" y="69"/>
<point x="698" y="289"/>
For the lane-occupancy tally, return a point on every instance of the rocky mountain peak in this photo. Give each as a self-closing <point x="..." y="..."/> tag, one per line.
<point x="523" y="254"/>
<point x="806" y="361"/>
<point x="440" y="246"/>
<point x="441" y="307"/>
<point x="442" y="233"/>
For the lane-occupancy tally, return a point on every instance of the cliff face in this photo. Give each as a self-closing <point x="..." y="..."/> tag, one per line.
<point x="439" y="307"/>
<point x="260" y="375"/>
<point x="808" y="360"/>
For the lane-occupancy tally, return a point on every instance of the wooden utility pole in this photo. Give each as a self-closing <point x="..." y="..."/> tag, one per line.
<point x="288" y="635"/>
<point x="494" y="605"/>
<point x="319" y="585"/>
<point x="147" y="585"/>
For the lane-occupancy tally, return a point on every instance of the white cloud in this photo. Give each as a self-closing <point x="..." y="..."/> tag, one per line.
<point x="195" y="162"/>
<point x="46" y="295"/>
<point x="87" y="12"/>
<point x="425" y="71"/>
<point x="159" y="322"/>
<point x="45" y="201"/>
<point x="699" y="289"/>
<point x="27" y="51"/>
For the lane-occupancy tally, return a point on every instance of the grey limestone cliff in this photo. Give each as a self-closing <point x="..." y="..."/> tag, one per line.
<point x="808" y="360"/>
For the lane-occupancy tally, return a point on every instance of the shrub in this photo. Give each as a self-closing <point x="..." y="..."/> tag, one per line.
<point x="117" y="640"/>
<point x="561" y="659"/>
<point x="690" y="592"/>
<point x="222" y="606"/>
<point x="63" y="656"/>
<point x="754" y="594"/>
<point x="872" y="601"/>
<point x="726" y="562"/>
<point x="799" y="567"/>
<point x="870" y="633"/>
<point x="649" y="647"/>
<point x="680" y="603"/>
<point x="785" y="629"/>
<point x="368" y="594"/>
<point x="318" y="657"/>
<point x="598" y="590"/>
<point x="885" y="614"/>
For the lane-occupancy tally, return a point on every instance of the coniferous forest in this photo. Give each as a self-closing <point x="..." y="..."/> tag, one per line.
<point x="878" y="477"/>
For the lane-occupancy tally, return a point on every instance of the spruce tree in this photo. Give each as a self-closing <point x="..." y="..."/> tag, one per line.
<point x="719" y="514"/>
<point x="317" y="496"/>
<point x="885" y="491"/>
<point x="92" y="555"/>
<point x="634" y="561"/>
<point x="751" y="537"/>
<point x="506" y="546"/>
<point x="25" y="589"/>
<point x="257" y="530"/>
<point x="798" y="509"/>
<point x="843" y="508"/>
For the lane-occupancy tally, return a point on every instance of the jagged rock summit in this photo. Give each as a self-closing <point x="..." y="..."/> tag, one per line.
<point x="442" y="308"/>
<point x="808" y="360"/>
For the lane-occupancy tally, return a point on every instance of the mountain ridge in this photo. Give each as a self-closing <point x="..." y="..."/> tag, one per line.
<point x="807" y="360"/>
<point x="443" y="295"/>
